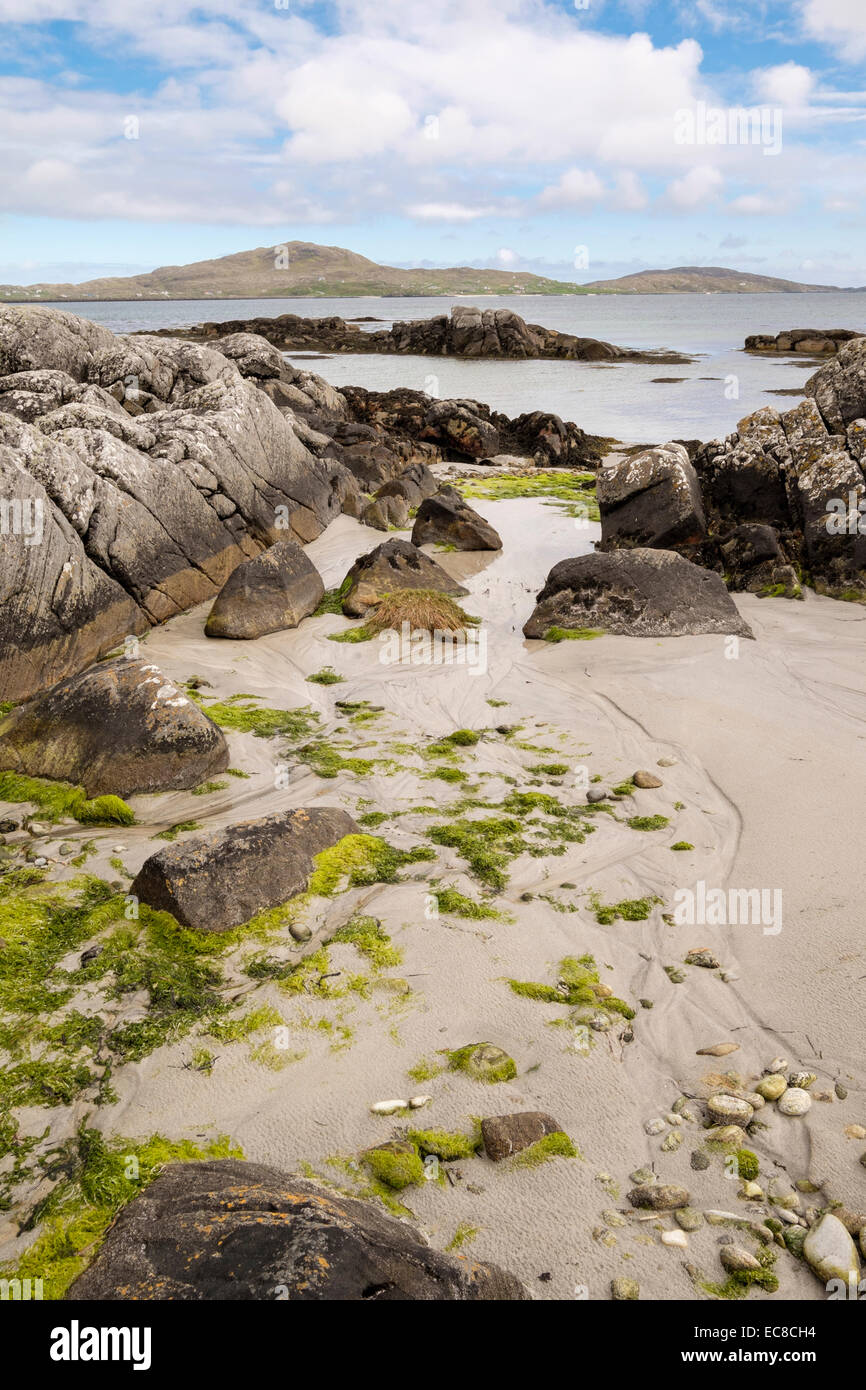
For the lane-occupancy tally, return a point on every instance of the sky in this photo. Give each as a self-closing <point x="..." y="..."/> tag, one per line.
<point x="577" y="138"/>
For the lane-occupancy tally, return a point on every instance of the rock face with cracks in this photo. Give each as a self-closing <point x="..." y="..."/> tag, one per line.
<point x="237" y="1231"/>
<point x="137" y="473"/>
<point x="635" y="593"/>
<point x="121" y="727"/>
<point x="217" y="881"/>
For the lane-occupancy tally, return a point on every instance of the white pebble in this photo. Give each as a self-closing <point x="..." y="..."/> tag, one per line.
<point x="677" y="1238"/>
<point x="416" y="1102"/>
<point x="778" y="1064"/>
<point x="388" y="1107"/>
<point x="794" y="1101"/>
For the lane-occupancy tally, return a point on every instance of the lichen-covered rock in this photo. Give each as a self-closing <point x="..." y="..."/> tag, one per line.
<point x="651" y="499"/>
<point x="395" y="564"/>
<point x="658" y="1196"/>
<point x="233" y="1231"/>
<point x="636" y="593"/>
<point x="276" y="590"/>
<point x="217" y="881"/>
<point x="447" y="518"/>
<point x="121" y="727"/>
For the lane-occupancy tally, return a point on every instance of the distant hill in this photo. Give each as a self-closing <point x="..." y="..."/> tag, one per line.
<point x="704" y="279"/>
<point x="303" y="270"/>
<point x="294" y="270"/>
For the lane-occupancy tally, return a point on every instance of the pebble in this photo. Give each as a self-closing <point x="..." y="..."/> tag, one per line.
<point x="718" y="1050"/>
<point x="689" y="1218"/>
<point x="718" y="1218"/>
<point x="830" y="1252"/>
<point x="118" y="849"/>
<point x="388" y="1107"/>
<point x="736" y="1259"/>
<point x="666" y="762"/>
<point x="794" y="1239"/>
<point x="613" y="1218"/>
<point x="65" y="849"/>
<point x="752" y="1191"/>
<point x="35" y="827"/>
<point x="624" y="1290"/>
<point x="416" y="1102"/>
<point x="595" y="794"/>
<point x="778" y="1064"/>
<point x="728" y="1136"/>
<point x="855" y="1131"/>
<point x="841" y="1091"/>
<point x="674" y="1118"/>
<point x="789" y="1217"/>
<point x="781" y="1192"/>
<point x="672" y="1142"/>
<point x="676" y="1238"/>
<point x="802" y="1079"/>
<point x="300" y="931"/>
<point x="654" y="1127"/>
<point x="659" y="1196"/>
<point x="699" y="1161"/>
<point x="730" y="1110"/>
<point x="794" y="1102"/>
<point x="641" y="1176"/>
<point x="702" y="955"/>
<point x="771" y="1087"/>
<point x="647" y="780"/>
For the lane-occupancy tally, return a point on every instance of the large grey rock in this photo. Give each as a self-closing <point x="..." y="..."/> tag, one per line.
<point x="272" y="592"/>
<point x="167" y="464"/>
<point x="396" y="564"/>
<point x="233" y="1231"/>
<point x="447" y="518"/>
<point x="651" y="499"/>
<point x="217" y="881"/>
<point x="120" y="727"/>
<point x="839" y="387"/>
<point x="635" y="593"/>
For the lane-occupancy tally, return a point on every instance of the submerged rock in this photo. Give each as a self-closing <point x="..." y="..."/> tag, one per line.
<point x="217" y="881"/>
<point x="635" y="593"/>
<point x="234" y="1231"/>
<point x="274" y="591"/>
<point x="121" y="727"/>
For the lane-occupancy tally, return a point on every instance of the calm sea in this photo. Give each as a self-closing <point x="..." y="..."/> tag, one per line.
<point x="712" y="394"/>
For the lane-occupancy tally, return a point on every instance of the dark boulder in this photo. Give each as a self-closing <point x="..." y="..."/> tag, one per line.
<point x="651" y="499"/>
<point x="635" y="593"/>
<point x="386" y="513"/>
<point x="276" y="590"/>
<point x="414" y="484"/>
<point x="395" y="564"/>
<point x="120" y="727"/>
<point x="447" y="518"/>
<point x="217" y="881"/>
<point x="505" y="1135"/>
<point x="232" y="1231"/>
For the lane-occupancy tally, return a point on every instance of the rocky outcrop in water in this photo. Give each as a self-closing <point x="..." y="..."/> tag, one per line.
<point x="635" y="593"/>
<point x="783" y="497"/>
<point x="465" y="332"/>
<point x="217" y="881"/>
<point x="810" y="342"/>
<point x="235" y="1231"/>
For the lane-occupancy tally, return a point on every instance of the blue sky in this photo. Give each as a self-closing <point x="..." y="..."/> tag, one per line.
<point x="578" y="138"/>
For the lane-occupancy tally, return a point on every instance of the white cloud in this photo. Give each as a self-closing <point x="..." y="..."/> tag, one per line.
<point x="447" y="212"/>
<point x="700" y="185"/>
<point x="841" y="23"/>
<point x="575" y="188"/>
<point x="760" y="205"/>
<point x="787" y="85"/>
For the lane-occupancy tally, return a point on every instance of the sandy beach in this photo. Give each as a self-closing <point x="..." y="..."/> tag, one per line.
<point x="759" y="746"/>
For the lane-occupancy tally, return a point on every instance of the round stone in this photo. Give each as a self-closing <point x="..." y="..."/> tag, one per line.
<point x="830" y="1252"/>
<point x="795" y="1101"/>
<point x="771" y="1087"/>
<point x="646" y="780"/>
<point x="736" y="1259"/>
<point x="730" y="1110"/>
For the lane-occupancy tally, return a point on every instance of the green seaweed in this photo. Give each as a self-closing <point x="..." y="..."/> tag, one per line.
<point x="57" y="800"/>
